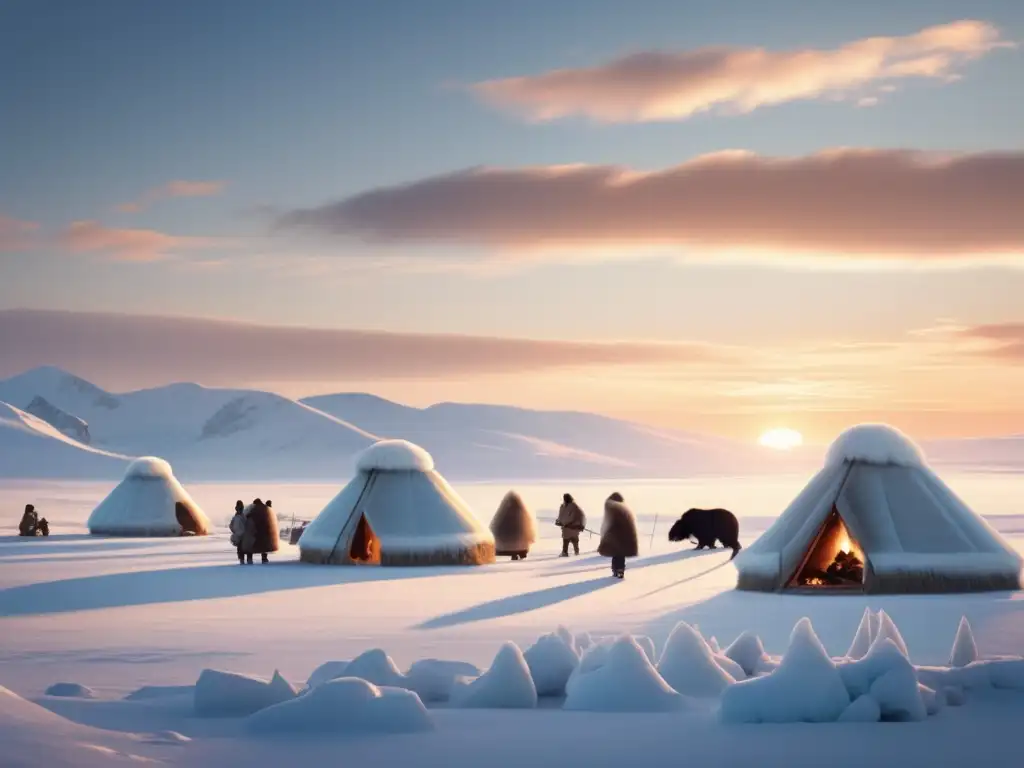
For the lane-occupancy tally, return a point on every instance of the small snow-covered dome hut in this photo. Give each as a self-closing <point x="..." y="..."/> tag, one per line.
<point x="397" y="510"/>
<point x="876" y="518"/>
<point x="149" y="501"/>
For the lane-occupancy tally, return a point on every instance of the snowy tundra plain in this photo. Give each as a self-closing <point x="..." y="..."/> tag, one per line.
<point x="133" y="623"/>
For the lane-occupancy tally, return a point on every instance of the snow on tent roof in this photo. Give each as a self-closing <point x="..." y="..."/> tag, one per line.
<point x="875" y="444"/>
<point x="149" y="466"/>
<point x="395" y="456"/>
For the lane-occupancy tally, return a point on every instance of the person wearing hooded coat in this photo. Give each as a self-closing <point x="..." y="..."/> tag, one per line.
<point x="619" y="538"/>
<point x="29" y="521"/>
<point x="514" y="527"/>
<point x="265" y="537"/>
<point x="572" y="521"/>
<point x="237" y="528"/>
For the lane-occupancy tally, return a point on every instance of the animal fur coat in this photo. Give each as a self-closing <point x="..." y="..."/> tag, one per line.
<point x="618" y="531"/>
<point x="513" y="526"/>
<point x="261" y="533"/>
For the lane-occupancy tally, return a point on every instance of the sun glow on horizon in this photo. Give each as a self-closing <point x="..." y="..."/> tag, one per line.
<point x="781" y="439"/>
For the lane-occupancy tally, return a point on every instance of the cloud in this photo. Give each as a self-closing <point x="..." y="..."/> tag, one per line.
<point x="863" y="203"/>
<point x="131" y="245"/>
<point x="178" y="188"/>
<point x="658" y="85"/>
<point x="139" y="350"/>
<point x="16" y="235"/>
<point x="1005" y="341"/>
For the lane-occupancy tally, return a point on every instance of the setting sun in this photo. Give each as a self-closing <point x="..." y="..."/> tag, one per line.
<point x="781" y="439"/>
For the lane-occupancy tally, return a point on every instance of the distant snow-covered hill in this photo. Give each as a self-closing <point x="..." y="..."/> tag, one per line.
<point x="236" y="434"/>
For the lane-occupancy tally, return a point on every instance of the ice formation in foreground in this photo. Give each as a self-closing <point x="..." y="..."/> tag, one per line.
<point x="625" y="681"/>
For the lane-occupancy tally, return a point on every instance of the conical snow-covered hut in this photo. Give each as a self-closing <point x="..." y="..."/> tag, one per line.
<point x="149" y="501"/>
<point x="397" y="510"/>
<point x="876" y="518"/>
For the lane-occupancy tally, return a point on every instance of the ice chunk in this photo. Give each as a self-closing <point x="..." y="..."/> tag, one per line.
<point x="807" y="687"/>
<point x="647" y="645"/>
<point x="965" y="650"/>
<point x="933" y="700"/>
<point x="747" y="651"/>
<point x="346" y="705"/>
<point x="229" y="694"/>
<point x="898" y="695"/>
<point x="862" y="639"/>
<point x="563" y="632"/>
<point x="864" y="709"/>
<point x="329" y="670"/>
<point x="887" y="630"/>
<point x="730" y="667"/>
<point x="625" y="682"/>
<point x="882" y="657"/>
<point x="506" y="685"/>
<point x="713" y="645"/>
<point x="688" y="665"/>
<point x="434" y="679"/>
<point x="551" y="662"/>
<point x="71" y="690"/>
<point x="375" y="666"/>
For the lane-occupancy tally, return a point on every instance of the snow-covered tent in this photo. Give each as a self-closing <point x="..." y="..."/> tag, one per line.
<point x="149" y="501"/>
<point x="397" y="510"/>
<point x="876" y="518"/>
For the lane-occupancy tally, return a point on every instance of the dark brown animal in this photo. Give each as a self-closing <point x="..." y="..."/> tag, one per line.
<point x="707" y="526"/>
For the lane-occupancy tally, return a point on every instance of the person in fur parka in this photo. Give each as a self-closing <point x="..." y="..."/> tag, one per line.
<point x="514" y="527"/>
<point x="261" y="531"/>
<point x="619" y="538"/>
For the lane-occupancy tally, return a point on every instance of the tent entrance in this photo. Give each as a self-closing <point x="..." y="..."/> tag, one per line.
<point x="834" y="560"/>
<point x="365" y="546"/>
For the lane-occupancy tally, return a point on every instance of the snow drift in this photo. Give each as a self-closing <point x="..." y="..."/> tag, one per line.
<point x="620" y="679"/>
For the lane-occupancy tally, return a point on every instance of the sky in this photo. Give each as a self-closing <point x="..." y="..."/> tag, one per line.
<point x="716" y="216"/>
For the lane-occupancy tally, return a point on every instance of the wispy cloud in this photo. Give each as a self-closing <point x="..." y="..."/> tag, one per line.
<point x="130" y="245"/>
<point x="664" y="85"/>
<point x="867" y="204"/>
<point x="178" y="188"/>
<point x="16" y="234"/>
<point x="222" y="352"/>
<point x="1002" y="340"/>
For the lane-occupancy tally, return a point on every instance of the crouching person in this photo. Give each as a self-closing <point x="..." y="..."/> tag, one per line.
<point x="573" y="522"/>
<point x="29" y="521"/>
<point x="619" y="538"/>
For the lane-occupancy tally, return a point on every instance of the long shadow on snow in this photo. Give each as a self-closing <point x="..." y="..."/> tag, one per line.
<point x="513" y="604"/>
<point x="601" y="562"/>
<point x="67" y="543"/>
<point x="175" y="585"/>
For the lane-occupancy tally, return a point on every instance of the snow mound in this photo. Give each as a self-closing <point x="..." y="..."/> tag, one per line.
<point x="375" y="666"/>
<point x="713" y="645"/>
<point x="229" y="694"/>
<point x="70" y="690"/>
<point x="747" y="651"/>
<point x="807" y="687"/>
<point x="647" y="646"/>
<point x="150" y="692"/>
<point x="883" y="657"/>
<point x="551" y="661"/>
<point x="887" y="631"/>
<point x="329" y="670"/>
<point x="688" y="665"/>
<point x="899" y="696"/>
<point x="863" y="637"/>
<point x="149" y="466"/>
<point x="395" y="456"/>
<point x="434" y="680"/>
<point x="347" y="705"/>
<point x="1005" y="673"/>
<point x="965" y="650"/>
<point x="583" y="641"/>
<point x="625" y="682"/>
<point x="864" y="709"/>
<point x="506" y="685"/>
<point x="730" y="667"/>
<point x="874" y="444"/>
<point x="933" y="700"/>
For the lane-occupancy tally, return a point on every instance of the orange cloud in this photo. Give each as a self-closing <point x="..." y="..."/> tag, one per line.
<point x="656" y="85"/>
<point x="865" y="203"/>
<point x="15" y="234"/>
<point x="178" y="188"/>
<point x="132" y="245"/>
<point x="1003" y="340"/>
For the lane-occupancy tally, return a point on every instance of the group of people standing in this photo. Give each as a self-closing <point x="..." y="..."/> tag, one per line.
<point x="514" y="529"/>
<point x="254" y="530"/>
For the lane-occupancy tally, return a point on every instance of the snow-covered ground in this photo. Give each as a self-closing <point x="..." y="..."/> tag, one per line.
<point x="115" y="615"/>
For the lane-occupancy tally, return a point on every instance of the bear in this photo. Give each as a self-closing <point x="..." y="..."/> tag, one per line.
<point x="707" y="525"/>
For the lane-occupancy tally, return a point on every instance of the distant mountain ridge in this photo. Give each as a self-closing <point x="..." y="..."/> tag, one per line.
<point x="238" y="434"/>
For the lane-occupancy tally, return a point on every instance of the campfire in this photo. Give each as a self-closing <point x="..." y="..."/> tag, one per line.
<point x="834" y="561"/>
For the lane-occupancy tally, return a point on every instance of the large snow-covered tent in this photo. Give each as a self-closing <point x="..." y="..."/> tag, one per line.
<point x="149" y="501"/>
<point x="397" y="510"/>
<point x="876" y="518"/>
